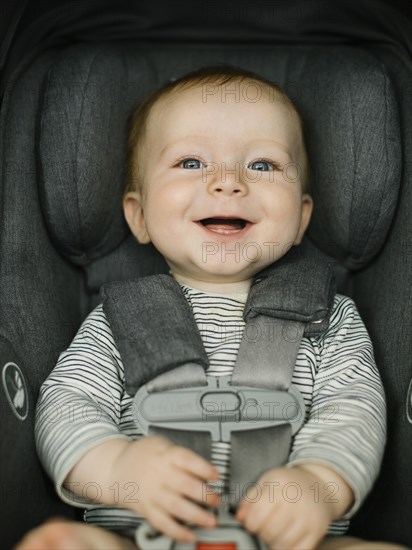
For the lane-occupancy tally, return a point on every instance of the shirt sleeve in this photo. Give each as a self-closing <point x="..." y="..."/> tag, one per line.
<point x="346" y="429"/>
<point x="79" y="404"/>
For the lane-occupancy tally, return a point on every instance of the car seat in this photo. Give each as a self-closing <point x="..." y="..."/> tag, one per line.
<point x="63" y="124"/>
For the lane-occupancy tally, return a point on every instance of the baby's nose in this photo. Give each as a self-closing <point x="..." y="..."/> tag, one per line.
<point x="228" y="179"/>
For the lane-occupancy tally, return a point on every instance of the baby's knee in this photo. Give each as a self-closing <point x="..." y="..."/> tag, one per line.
<point x="56" y="533"/>
<point x="60" y="534"/>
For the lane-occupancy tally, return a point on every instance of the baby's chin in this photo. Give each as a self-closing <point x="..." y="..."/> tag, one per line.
<point x="230" y="280"/>
<point x="217" y="287"/>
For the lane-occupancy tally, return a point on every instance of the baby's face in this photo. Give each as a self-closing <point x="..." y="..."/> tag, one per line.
<point x="208" y="157"/>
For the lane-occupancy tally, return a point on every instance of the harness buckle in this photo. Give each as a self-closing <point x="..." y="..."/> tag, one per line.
<point x="219" y="408"/>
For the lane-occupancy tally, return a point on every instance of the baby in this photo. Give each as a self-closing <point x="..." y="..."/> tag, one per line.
<point x="217" y="143"/>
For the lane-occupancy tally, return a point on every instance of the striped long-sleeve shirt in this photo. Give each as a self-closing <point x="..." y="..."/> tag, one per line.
<point x="83" y="402"/>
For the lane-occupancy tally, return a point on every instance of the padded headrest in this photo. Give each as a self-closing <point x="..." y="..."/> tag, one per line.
<point x="346" y="99"/>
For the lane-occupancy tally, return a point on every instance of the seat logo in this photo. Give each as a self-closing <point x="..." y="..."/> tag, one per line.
<point x="16" y="390"/>
<point x="409" y="403"/>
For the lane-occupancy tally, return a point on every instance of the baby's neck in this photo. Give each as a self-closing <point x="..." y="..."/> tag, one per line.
<point x="238" y="287"/>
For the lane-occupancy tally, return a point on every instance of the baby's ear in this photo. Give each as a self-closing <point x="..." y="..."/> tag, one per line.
<point x="307" y="209"/>
<point x="134" y="214"/>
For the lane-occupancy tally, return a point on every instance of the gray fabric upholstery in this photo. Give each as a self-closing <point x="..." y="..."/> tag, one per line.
<point x="382" y="291"/>
<point x="63" y="235"/>
<point x="42" y="301"/>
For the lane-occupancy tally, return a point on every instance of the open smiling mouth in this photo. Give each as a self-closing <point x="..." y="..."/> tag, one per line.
<point x="225" y="226"/>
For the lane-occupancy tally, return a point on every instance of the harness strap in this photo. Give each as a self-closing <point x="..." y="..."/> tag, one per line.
<point x="267" y="359"/>
<point x="255" y="452"/>
<point x="199" y="442"/>
<point x="267" y="353"/>
<point x="300" y="287"/>
<point x="155" y="331"/>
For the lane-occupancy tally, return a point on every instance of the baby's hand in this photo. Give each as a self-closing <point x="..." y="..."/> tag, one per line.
<point x="289" y="513"/>
<point x="171" y="479"/>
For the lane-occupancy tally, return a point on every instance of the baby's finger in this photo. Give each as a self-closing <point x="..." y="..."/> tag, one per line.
<point x="280" y="534"/>
<point x="242" y="511"/>
<point x="308" y="542"/>
<point x="168" y="526"/>
<point x="256" y="518"/>
<point x="188" y="460"/>
<point x="193" y="488"/>
<point x="187" y="511"/>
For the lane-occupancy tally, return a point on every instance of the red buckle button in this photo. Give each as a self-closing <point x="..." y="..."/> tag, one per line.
<point x="216" y="546"/>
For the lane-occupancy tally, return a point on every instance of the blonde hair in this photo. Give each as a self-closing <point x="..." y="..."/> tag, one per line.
<point x="219" y="75"/>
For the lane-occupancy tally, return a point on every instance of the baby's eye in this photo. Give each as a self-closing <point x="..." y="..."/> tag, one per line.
<point x="191" y="164"/>
<point x="263" y="165"/>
